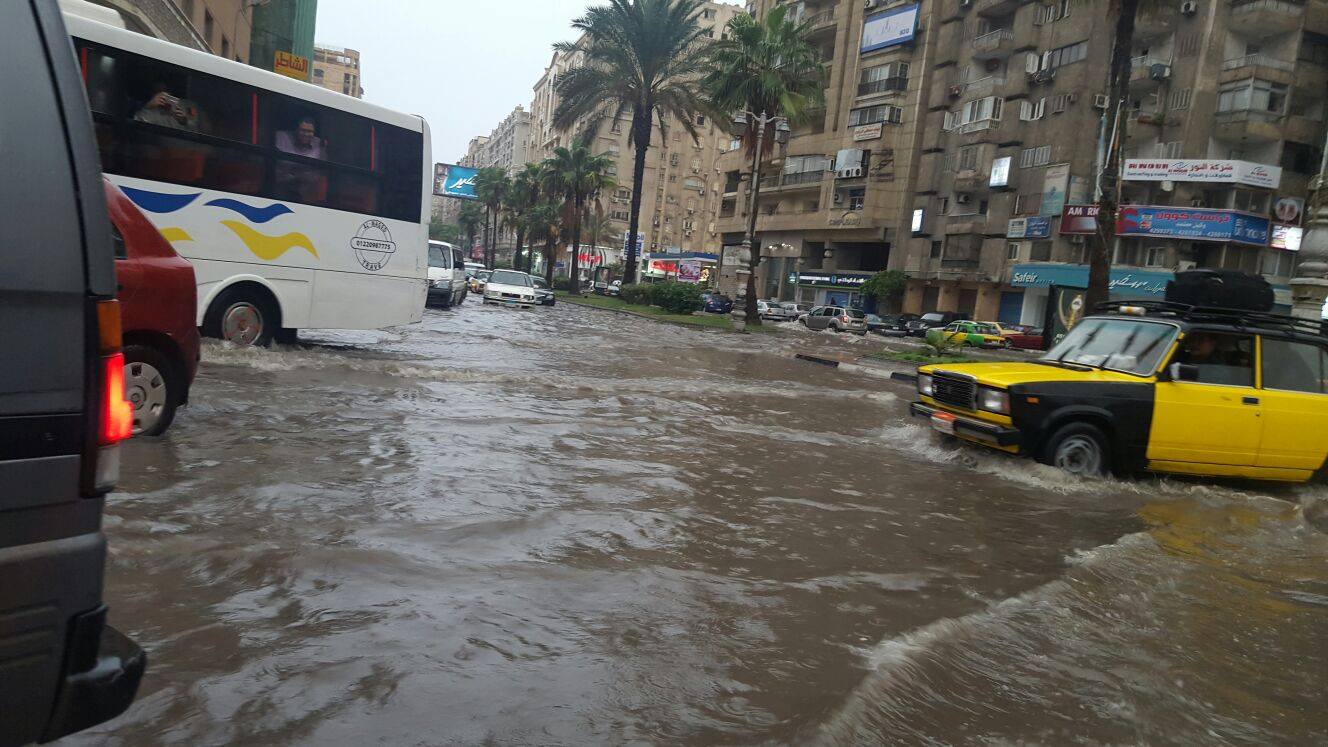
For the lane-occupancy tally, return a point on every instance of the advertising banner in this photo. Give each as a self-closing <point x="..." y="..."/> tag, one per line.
<point x="1017" y="228"/>
<point x="1037" y="227"/>
<point x="689" y="271"/>
<point x="1201" y="170"/>
<point x="1079" y="220"/>
<point x="454" y="181"/>
<point x="1286" y="237"/>
<point x="1055" y="187"/>
<point x="1196" y="224"/>
<point x="886" y="29"/>
<point x="1000" y="172"/>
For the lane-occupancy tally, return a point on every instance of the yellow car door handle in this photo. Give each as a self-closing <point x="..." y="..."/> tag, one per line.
<point x="1250" y="400"/>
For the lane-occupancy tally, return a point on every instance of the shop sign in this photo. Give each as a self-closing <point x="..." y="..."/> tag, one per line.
<point x="1195" y="224"/>
<point x="1286" y="237"/>
<point x="689" y="271"/>
<point x="450" y="180"/>
<point x="1201" y="170"/>
<point x="868" y="132"/>
<point x="1079" y="220"/>
<point x="1017" y="228"/>
<point x="850" y="219"/>
<point x="1289" y="210"/>
<point x="889" y="28"/>
<point x="919" y="215"/>
<point x="838" y="280"/>
<point x="291" y="65"/>
<point x="1055" y="186"/>
<point x="1123" y="282"/>
<point x="1037" y="227"/>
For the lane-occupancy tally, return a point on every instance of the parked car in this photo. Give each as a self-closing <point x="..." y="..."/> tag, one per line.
<point x="1156" y="386"/>
<point x="478" y="280"/>
<point x="447" y="275"/>
<point x="763" y="309"/>
<point x="62" y="397"/>
<point x="969" y="334"/>
<point x="158" y="302"/>
<point x="836" y="319"/>
<point x="510" y="288"/>
<point x="543" y="293"/>
<point x="614" y="289"/>
<point x="781" y="311"/>
<point x="918" y="327"/>
<point x="875" y="323"/>
<point x="1022" y="336"/>
<point x="895" y="324"/>
<point x="718" y="303"/>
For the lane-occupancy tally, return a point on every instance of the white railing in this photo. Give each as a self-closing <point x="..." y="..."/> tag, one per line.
<point x="992" y="40"/>
<point x="1258" y="60"/>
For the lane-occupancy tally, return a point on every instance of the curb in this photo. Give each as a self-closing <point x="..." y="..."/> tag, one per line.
<point x="873" y="371"/>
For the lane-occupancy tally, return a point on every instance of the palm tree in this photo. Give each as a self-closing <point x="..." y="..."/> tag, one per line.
<point x="640" y="58"/>
<point x="522" y="195"/>
<point x="470" y="217"/>
<point x="1124" y="13"/>
<point x="766" y="68"/>
<point x="546" y="219"/>
<point x="491" y="185"/>
<point x="576" y="175"/>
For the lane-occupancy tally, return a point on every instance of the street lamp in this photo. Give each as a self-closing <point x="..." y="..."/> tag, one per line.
<point x="742" y="122"/>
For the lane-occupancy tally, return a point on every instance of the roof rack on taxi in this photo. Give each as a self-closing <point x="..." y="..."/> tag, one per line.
<point x="1239" y="318"/>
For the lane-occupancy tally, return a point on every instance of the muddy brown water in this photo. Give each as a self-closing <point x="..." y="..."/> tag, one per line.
<point x="566" y="527"/>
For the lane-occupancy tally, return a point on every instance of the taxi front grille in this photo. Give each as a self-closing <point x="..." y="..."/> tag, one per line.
<point x="954" y="391"/>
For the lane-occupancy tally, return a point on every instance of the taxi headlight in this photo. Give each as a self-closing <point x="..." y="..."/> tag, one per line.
<point x="924" y="384"/>
<point x="994" y="400"/>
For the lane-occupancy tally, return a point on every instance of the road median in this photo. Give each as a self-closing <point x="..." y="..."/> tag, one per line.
<point x="717" y="322"/>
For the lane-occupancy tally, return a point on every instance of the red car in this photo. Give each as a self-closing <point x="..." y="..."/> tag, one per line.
<point x="1022" y="336"/>
<point x="158" y="302"/>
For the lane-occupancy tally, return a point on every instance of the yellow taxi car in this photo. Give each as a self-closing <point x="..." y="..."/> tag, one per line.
<point x="1158" y="387"/>
<point x="973" y="334"/>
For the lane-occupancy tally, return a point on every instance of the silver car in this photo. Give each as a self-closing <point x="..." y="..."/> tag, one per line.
<point x="836" y="319"/>
<point x="787" y="311"/>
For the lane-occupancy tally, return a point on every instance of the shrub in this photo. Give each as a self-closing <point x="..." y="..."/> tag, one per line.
<point x="563" y="284"/>
<point x="676" y="298"/>
<point x="638" y="294"/>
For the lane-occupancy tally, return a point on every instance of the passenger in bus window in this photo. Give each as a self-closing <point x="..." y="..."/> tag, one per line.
<point x="304" y="141"/>
<point x="168" y="110"/>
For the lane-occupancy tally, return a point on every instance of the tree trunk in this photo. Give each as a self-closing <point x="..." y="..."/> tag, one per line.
<point x="516" y="254"/>
<point x="488" y="216"/>
<point x="548" y="259"/>
<point x="641" y="148"/>
<point x="754" y="261"/>
<point x="1099" y="256"/>
<point x="574" y="278"/>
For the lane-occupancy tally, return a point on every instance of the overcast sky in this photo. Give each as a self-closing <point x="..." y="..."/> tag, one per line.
<point x="461" y="64"/>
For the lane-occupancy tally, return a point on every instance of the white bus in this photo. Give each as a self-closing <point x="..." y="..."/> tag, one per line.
<point x="298" y="206"/>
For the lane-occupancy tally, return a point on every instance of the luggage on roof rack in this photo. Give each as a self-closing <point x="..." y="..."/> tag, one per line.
<point x="1236" y="318"/>
<point x="1222" y="288"/>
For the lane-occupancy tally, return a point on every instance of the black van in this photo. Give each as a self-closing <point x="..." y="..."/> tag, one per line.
<point x="62" y="406"/>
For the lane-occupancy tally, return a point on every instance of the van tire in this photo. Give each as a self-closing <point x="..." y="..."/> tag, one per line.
<point x="153" y="387"/>
<point x="1078" y="448"/>
<point x="248" y="315"/>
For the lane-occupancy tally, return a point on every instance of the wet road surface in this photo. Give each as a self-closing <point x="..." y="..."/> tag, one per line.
<point x="568" y="527"/>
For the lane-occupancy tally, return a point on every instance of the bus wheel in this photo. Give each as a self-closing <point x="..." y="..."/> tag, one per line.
<point x="242" y="316"/>
<point x="1078" y="448"/>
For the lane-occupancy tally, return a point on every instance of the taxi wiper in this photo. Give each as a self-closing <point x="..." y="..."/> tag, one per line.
<point x="1058" y="363"/>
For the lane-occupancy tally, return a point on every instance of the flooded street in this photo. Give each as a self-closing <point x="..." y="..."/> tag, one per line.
<point x="569" y="527"/>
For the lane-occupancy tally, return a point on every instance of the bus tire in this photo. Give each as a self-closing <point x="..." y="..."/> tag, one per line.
<point x="1079" y="448"/>
<point x="245" y="315"/>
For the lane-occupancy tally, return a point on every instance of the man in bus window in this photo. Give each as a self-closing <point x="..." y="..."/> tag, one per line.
<point x="168" y="110"/>
<point x="303" y="142"/>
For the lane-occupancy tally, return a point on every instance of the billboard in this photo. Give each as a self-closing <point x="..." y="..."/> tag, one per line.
<point x="1000" y="172"/>
<point x="454" y="181"/>
<point x="889" y="28"/>
<point x="291" y="65"/>
<point x="1287" y="237"/>
<point x="1201" y="170"/>
<point x="1196" y="224"/>
<point x="689" y="271"/>
<point x="1055" y="188"/>
<point x="1079" y="220"/>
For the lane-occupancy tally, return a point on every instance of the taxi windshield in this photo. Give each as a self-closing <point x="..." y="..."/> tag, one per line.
<point x="1117" y="344"/>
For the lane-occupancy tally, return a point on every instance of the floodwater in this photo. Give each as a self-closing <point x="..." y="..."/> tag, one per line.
<point x="567" y="527"/>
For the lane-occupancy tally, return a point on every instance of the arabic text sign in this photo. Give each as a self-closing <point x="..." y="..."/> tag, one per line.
<point x="291" y="65"/>
<point x="895" y="26"/>
<point x="1202" y="170"/>
<point x="454" y="181"/>
<point x="1192" y="223"/>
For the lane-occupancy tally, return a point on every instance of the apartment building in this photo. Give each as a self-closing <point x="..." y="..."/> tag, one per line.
<point x="508" y="146"/>
<point x="337" y="69"/>
<point x="222" y="27"/>
<point x="680" y="191"/>
<point x="960" y="144"/>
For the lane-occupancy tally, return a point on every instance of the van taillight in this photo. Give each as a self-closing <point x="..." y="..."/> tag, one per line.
<point x="117" y="415"/>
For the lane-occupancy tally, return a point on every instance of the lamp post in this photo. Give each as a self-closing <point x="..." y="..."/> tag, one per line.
<point x="742" y="121"/>
<point x="1309" y="288"/>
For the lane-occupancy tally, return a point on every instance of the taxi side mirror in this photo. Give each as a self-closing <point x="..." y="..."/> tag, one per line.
<point x="1181" y="372"/>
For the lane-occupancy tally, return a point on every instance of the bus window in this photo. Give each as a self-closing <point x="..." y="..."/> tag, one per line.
<point x="301" y="128"/>
<point x="398" y="159"/>
<point x="357" y="193"/>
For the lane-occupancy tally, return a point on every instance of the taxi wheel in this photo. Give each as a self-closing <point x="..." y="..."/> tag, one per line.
<point x="1078" y="448"/>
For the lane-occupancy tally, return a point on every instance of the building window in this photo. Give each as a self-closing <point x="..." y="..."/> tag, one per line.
<point x="873" y="114"/>
<point x="1180" y="98"/>
<point x="1028" y="204"/>
<point x="1067" y="55"/>
<point x="937" y="247"/>
<point x="968" y="158"/>
<point x="1030" y="110"/>
<point x="1156" y="256"/>
<point x="208" y="26"/>
<point x="981" y="109"/>
<point x="1253" y="94"/>
<point x="882" y="78"/>
<point x="1188" y="45"/>
<point x="857" y="198"/>
<point x="1034" y="157"/>
<point x="1051" y="13"/>
<point x="1300" y="157"/>
<point x="1041" y="252"/>
<point x="1012" y="250"/>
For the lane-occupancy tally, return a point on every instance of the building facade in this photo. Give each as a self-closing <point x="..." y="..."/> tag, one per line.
<point x="337" y="69"/>
<point x="282" y="26"/>
<point x="680" y="191"/>
<point x="221" y="27"/>
<point x="957" y="132"/>
<point x="508" y="146"/>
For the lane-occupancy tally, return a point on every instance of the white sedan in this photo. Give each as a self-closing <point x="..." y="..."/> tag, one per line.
<point x="510" y="288"/>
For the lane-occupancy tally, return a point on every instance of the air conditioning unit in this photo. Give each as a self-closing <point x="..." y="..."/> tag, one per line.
<point x="1100" y="101"/>
<point x="954" y="91"/>
<point x="963" y="198"/>
<point x="1189" y="7"/>
<point x="839" y="197"/>
<point x="1159" y="71"/>
<point x="703" y="192"/>
<point x="852" y="173"/>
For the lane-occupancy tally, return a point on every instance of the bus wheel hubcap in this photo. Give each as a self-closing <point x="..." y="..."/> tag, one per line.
<point x="1079" y="455"/>
<point x="242" y="324"/>
<point x="145" y="388"/>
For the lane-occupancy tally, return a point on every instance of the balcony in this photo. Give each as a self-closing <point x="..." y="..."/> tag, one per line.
<point x="996" y="7"/>
<point x="885" y="85"/>
<point x="1264" y="18"/>
<point x="1148" y="72"/>
<point x="1247" y="126"/>
<point x="818" y="23"/>
<point x="794" y="181"/>
<point x="1258" y="66"/>
<point x="1154" y="24"/>
<point x="982" y="87"/>
<point x="1258" y="60"/>
<point x="994" y="45"/>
